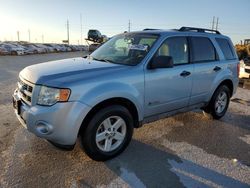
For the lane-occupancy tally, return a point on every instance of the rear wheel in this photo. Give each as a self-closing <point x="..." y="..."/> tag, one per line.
<point x="108" y="133"/>
<point x="219" y="103"/>
<point x="14" y="53"/>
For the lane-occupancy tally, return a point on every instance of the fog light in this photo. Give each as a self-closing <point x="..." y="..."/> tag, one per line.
<point x="43" y="127"/>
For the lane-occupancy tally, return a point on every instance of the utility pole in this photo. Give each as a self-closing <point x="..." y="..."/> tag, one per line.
<point x="68" y="30"/>
<point x="42" y="38"/>
<point x="213" y="23"/>
<point x="129" y="25"/>
<point x="29" y="34"/>
<point x="81" y="27"/>
<point x="217" y="23"/>
<point x="18" y="36"/>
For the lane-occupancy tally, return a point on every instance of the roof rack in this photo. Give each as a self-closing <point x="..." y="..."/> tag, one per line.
<point x="201" y="30"/>
<point x="148" y="29"/>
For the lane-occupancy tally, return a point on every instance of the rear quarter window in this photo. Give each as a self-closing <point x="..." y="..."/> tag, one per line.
<point x="202" y="50"/>
<point x="226" y="48"/>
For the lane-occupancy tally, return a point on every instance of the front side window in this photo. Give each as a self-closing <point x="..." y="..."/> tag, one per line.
<point x="177" y="48"/>
<point x="127" y="49"/>
<point x="202" y="49"/>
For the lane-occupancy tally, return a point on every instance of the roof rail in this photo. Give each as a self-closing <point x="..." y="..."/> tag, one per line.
<point x="148" y="29"/>
<point x="201" y="30"/>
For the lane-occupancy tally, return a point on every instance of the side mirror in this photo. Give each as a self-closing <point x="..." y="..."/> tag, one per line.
<point x="161" y="62"/>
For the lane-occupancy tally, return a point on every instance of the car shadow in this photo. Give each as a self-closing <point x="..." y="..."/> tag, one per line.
<point x="223" y="138"/>
<point x="154" y="167"/>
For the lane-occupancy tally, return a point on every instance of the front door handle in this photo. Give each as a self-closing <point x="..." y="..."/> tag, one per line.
<point x="185" y="73"/>
<point x="216" y="69"/>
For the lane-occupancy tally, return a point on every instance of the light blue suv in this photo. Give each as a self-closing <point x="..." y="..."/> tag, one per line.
<point x="132" y="79"/>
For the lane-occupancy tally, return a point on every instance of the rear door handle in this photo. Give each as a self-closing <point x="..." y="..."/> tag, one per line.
<point x="185" y="73"/>
<point x="216" y="69"/>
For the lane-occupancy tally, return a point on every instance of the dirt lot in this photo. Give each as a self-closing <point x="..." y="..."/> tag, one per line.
<point x="187" y="150"/>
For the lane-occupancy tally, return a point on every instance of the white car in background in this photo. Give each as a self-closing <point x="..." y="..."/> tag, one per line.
<point x="4" y="51"/>
<point x="13" y="49"/>
<point x="48" y="49"/>
<point x="245" y="68"/>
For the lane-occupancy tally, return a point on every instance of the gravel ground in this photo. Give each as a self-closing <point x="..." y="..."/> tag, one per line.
<point x="186" y="150"/>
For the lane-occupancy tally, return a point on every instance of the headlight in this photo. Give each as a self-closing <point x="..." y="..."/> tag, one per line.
<point x="49" y="96"/>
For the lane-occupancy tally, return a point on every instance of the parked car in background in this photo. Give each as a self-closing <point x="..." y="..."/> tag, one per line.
<point x="245" y="68"/>
<point x="63" y="48"/>
<point x="94" y="46"/>
<point x="29" y="48"/>
<point x="52" y="47"/>
<point x="47" y="47"/>
<point x="73" y="48"/>
<point x="84" y="47"/>
<point x="4" y="51"/>
<point x="40" y="49"/>
<point x="13" y="49"/>
<point x="67" y="47"/>
<point x="23" y="47"/>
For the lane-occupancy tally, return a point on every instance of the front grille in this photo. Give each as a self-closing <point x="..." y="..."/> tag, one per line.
<point x="247" y="70"/>
<point x="25" y="89"/>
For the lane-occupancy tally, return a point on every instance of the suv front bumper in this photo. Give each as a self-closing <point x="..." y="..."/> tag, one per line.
<point x="59" y="123"/>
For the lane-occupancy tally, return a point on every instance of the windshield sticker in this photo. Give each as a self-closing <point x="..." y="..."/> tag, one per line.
<point x="140" y="47"/>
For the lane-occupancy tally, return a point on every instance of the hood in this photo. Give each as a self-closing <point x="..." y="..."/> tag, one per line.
<point x="57" y="73"/>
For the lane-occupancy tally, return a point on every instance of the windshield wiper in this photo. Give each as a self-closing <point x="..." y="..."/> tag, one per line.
<point x="104" y="60"/>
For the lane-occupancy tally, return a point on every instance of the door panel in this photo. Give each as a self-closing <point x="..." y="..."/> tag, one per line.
<point x="166" y="89"/>
<point x="203" y="76"/>
<point x="206" y="67"/>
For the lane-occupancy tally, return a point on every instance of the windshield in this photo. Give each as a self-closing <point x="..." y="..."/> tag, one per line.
<point x="127" y="49"/>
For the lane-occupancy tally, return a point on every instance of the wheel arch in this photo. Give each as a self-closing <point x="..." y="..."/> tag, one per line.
<point x="229" y="84"/>
<point x="108" y="102"/>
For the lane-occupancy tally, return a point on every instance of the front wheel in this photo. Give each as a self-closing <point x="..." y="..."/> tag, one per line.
<point x="108" y="133"/>
<point x="219" y="102"/>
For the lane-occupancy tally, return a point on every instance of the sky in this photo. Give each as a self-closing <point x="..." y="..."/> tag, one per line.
<point x="46" y="19"/>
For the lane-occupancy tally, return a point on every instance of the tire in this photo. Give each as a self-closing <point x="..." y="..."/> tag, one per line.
<point x="102" y="123"/>
<point x="219" y="102"/>
<point x="14" y="53"/>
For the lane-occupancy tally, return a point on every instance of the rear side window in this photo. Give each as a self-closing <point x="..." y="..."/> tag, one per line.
<point x="202" y="49"/>
<point x="226" y="48"/>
